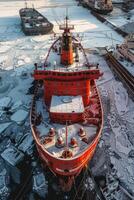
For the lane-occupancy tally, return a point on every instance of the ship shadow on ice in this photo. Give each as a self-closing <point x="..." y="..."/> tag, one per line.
<point x="55" y="192"/>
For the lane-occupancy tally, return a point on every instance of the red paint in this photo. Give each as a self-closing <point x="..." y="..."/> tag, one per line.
<point x="67" y="57"/>
<point x="68" y="166"/>
<point x="63" y="117"/>
<point x="68" y="88"/>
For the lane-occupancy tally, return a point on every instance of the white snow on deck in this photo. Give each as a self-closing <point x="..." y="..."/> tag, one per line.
<point x="67" y="104"/>
<point x="54" y="62"/>
<point x="72" y="132"/>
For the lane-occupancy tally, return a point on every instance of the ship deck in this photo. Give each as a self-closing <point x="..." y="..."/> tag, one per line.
<point x="31" y="18"/>
<point x="53" y="60"/>
<point x="67" y="104"/>
<point x="78" y="125"/>
<point x="82" y="143"/>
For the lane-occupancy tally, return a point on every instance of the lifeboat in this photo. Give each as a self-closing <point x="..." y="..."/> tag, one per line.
<point x="66" y="113"/>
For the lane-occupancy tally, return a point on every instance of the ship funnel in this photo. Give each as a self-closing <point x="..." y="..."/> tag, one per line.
<point x="66" y="43"/>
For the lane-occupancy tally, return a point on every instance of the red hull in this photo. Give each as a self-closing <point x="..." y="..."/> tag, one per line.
<point x="67" y="168"/>
<point x="67" y="123"/>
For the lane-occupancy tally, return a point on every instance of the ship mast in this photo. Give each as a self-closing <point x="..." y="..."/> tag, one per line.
<point x="66" y="43"/>
<point x="66" y="136"/>
<point x="26" y="3"/>
<point x="67" y="153"/>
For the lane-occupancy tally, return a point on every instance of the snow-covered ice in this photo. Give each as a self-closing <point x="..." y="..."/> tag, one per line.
<point x="19" y="116"/>
<point x="16" y="105"/>
<point x="39" y="184"/>
<point x="12" y="155"/>
<point x="4" y="126"/>
<point x="124" y="20"/>
<point x="5" y="102"/>
<point x="26" y="142"/>
<point x="18" y="53"/>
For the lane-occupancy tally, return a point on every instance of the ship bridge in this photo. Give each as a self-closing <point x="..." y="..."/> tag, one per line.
<point x="66" y="73"/>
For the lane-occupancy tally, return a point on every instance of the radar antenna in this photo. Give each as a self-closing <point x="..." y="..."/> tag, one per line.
<point x="25" y="3"/>
<point x="66" y="26"/>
